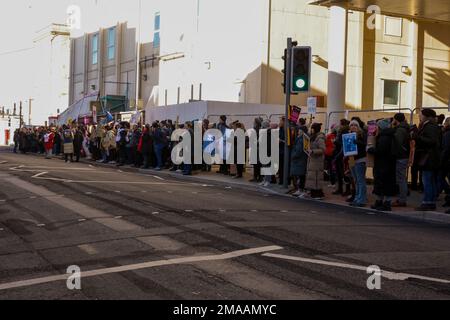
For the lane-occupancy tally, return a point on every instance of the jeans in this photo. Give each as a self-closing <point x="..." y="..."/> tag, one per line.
<point x="430" y="187"/>
<point x="359" y="175"/>
<point x="158" y="152"/>
<point x="401" y="171"/>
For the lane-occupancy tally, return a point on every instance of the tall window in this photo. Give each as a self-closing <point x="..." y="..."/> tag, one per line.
<point x="156" y="35"/>
<point x="391" y="93"/>
<point x="95" y="49"/>
<point x="111" y="43"/>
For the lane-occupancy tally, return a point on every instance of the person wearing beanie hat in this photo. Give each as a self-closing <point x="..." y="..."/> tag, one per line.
<point x="384" y="166"/>
<point x="401" y="151"/>
<point x="428" y="143"/>
<point x="359" y="169"/>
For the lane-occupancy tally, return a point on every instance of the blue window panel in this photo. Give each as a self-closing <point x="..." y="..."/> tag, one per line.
<point x="157" y="21"/>
<point x="156" y="40"/>
<point x="95" y="49"/>
<point x="111" y="43"/>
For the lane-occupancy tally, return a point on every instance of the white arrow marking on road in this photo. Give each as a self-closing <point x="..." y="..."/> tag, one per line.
<point x="140" y="266"/>
<point x="387" y="274"/>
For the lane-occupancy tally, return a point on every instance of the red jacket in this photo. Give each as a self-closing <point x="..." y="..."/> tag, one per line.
<point x="49" y="140"/>
<point x="329" y="143"/>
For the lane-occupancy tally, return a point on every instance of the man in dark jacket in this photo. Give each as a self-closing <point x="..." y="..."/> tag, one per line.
<point x="428" y="142"/>
<point x="401" y="152"/>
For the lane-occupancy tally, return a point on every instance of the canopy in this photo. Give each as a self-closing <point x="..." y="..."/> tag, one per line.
<point x="81" y="108"/>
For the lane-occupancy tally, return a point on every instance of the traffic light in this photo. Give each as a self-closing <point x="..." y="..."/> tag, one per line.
<point x="284" y="71"/>
<point x="301" y="69"/>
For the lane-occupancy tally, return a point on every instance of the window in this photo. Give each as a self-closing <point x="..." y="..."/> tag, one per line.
<point x="393" y="26"/>
<point x="391" y="95"/>
<point x="95" y="49"/>
<point x="156" y="35"/>
<point x="111" y="43"/>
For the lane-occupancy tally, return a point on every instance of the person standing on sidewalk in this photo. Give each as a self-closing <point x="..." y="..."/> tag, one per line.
<point x="445" y="162"/>
<point x="316" y="165"/>
<point x="78" y="143"/>
<point x="384" y="166"/>
<point x="428" y="142"/>
<point x="401" y="151"/>
<point x="49" y="139"/>
<point x="68" y="144"/>
<point x="358" y="165"/>
<point x="299" y="163"/>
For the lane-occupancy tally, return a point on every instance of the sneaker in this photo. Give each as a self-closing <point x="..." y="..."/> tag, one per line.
<point x="297" y="194"/>
<point x="266" y="184"/>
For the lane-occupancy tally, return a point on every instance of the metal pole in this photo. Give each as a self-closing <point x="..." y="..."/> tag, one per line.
<point x="20" y="114"/>
<point x="286" y="120"/>
<point x="29" y="111"/>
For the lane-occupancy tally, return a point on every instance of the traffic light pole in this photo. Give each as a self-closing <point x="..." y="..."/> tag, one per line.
<point x="288" y="85"/>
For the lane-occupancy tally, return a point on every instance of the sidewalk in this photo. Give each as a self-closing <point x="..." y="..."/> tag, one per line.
<point x="219" y="179"/>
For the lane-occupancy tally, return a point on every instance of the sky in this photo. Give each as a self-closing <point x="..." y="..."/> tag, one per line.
<point x="22" y="60"/>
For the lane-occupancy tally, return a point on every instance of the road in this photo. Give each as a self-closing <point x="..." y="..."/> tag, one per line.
<point x="137" y="236"/>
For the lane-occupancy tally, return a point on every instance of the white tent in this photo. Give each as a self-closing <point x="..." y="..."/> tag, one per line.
<point x="81" y="108"/>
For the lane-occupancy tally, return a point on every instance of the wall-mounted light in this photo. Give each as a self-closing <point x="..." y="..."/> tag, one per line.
<point x="316" y="58"/>
<point x="406" y="70"/>
<point x="385" y="59"/>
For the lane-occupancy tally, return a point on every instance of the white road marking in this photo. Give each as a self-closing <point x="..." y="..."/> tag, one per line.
<point x="3" y="162"/>
<point x="40" y="225"/>
<point x="140" y="266"/>
<point x="81" y="220"/>
<point x="89" y="249"/>
<point x="155" y="213"/>
<point x="74" y="206"/>
<point x="118" y="217"/>
<point x="386" y="274"/>
<point x="1" y="229"/>
<point x="188" y="210"/>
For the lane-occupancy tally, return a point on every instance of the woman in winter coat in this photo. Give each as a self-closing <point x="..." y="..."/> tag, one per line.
<point x="68" y="144"/>
<point x="299" y="162"/>
<point x="384" y="166"/>
<point x="314" y="181"/>
<point x="146" y="147"/>
<point x="358" y="165"/>
<point x="49" y="139"/>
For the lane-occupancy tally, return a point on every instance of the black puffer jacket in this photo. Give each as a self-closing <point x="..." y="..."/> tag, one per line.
<point x="384" y="164"/>
<point x="428" y="143"/>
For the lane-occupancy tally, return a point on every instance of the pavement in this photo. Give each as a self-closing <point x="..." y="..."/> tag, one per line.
<point x="157" y="236"/>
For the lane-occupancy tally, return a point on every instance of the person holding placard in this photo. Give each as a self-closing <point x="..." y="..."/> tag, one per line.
<point x="355" y="146"/>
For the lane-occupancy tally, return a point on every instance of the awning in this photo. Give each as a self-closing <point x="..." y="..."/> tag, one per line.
<point x="81" y="108"/>
<point x="432" y="10"/>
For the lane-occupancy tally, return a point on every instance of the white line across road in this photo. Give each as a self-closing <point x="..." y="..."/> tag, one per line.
<point x="140" y="266"/>
<point x="386" y="274"/>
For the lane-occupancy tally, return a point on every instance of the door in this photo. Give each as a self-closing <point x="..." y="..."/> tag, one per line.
<point x="7" y="137"/>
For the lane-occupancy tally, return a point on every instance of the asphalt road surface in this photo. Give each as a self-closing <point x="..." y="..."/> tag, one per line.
<point x="136" y="236"/>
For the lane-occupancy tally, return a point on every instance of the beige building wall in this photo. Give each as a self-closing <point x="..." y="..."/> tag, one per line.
<point x="372" y="57"/>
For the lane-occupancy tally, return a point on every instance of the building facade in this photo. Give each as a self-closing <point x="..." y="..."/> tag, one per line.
<point x="232" y="51"/>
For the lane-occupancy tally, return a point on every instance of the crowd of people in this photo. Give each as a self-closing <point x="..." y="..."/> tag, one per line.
<point x="392" y="147"/>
